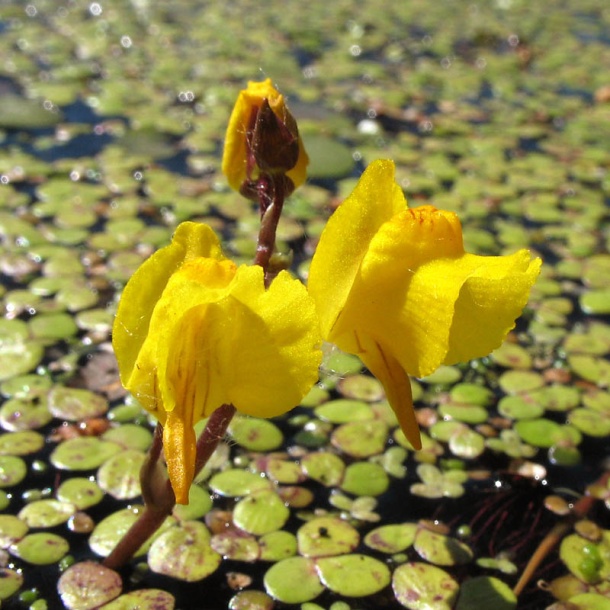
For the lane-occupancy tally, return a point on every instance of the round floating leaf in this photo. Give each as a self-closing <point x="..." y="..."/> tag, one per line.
<point x="391" y="539"/>
<point x="327" y="536"/>
<point x="12" y="529"/>
<point x="82" y="493"/>
<point x="40" y="549"/>
<point x="282" y="471"/>
<point x="143" y="599"/>
<point x="251" y="600"/>
<point x="10" y="582"/>
<point x="111" y="529"/>
<point x="129" y="436"/>
<point x="342" y="411"/>
<point x="256" y="434"/>
<point x="519" y="407"/>
<point x="515" y="382"/>
<point x="276" y="546"/>
<point x="26" y="386"/>
<point x="19" y="355"/>
<point x="296" y="496"/>
<point x="469" y="414"/>
<point x="12" y="470"/>
<point x="590" y="368"/>
<point x="73" y="404"/>
<point x="200" y="503"/>
<point x="54" y="326"/>
<point x="471" y="394"/>
<point x="582" y="557"/>
<point x="466" y="443"/>
<point x="293" y="580"/>
<point x="419" y="586"/>
<point x="591" y="422"/>
<point x="444" y="375"/>
<point x="235" y="483"/>
<point x="361" y="387"/>
<point x="88" y="585"/>
<point x="324" y="467"/>
<point x="596" y="302"/>
<point x="120" y="475"/>
<point x="440" y="549"/>
<point x="27" y="413"/>
<point x="83" y="453"/>
<point x="23" y="442"/>
<point x="260" y="513"/>
<point x="236" y="545"/>
<point x="361" y="439"/>
<point x="486" y="592"/>
<point x="365" y="479"/>
<point x="46" y="513"/>
<point x="327" y="158"/>
<point x="545" y="433"/>
<point x="590" y="601"/>
<point x="184" y="553"/>
<point x="340" y="364"/>
<point x="512" y="356"/>
<point x="353" y="575"/>
<point x="556" y="397"/>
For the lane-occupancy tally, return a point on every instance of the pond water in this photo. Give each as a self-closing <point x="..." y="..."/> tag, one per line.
<point x="112" y="119"/>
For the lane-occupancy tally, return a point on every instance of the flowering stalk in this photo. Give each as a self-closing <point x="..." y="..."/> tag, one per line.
<point x="189" y="293"/>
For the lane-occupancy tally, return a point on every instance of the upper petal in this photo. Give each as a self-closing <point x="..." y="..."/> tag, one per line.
<point x="347" y="238"/>
<point x="428" y="302"/>
<point x="144" y="289"/>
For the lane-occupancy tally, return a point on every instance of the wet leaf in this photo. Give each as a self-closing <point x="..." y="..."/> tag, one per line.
<point x="293" y="581"/>
<point x="419" y="586"/>
<point x="41" y="548"/>
<point x="391" y="539"/>
<point x="485" y="592"/>
<point x="365" y="479"/>
<point x="327" y="536"/>
<point x="46" y="513"/>
<point x="143" y="599"/>
<point x="184" y="553"/>
<point x="353" y="575"/>
<point x="260" y="513"/>
<point x="88" y="585"/>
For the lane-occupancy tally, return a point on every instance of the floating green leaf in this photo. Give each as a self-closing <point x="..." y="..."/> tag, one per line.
<point x="353" y="575"/>
<point x="184" y="553"/>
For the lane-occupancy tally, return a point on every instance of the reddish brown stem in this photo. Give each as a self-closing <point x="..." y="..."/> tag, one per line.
<point x="271" y="193"/>
<point x="580" y="510"/>
<point x="156" y="489"/>
<point x="159" y="495"/>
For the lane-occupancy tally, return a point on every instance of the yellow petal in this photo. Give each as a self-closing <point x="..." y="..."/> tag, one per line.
<point x="275" y="350"/>
<point x="347" y="237"/>
<point x="395" y="382"/>
<point x="490" y="301"/>
<point x="180" y="450"/>
<point x="145" y="287"/>
<point x="421" y="296"/>
<point x="197" y="282"/>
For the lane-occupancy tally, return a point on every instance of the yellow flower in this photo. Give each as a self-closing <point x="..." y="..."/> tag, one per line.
<point x="241" y="152"/>
<point x="395" y="286"/>
<point x="193" y="332"/>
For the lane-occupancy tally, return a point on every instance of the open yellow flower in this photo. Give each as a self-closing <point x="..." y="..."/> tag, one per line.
<point x="193" y="332"/>
<point x="395" y="286"/>
<point x="239" y="161"/>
